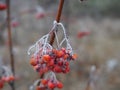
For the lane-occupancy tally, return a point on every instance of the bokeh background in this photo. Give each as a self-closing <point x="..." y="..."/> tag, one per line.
<point x="100" y="49"/>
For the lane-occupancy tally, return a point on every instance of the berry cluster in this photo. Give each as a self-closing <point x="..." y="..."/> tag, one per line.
<point x="48" y="83"/>
<point x="7" y="79"/>
<point x="6" y="76"/>
<point x="54" y="60"/>
<point x="45" y="58"/>
<point x="51" y="84"/>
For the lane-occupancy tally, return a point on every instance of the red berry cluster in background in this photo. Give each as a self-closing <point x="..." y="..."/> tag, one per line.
<point x="83" y="33"/>
<point x="39" y="15"/>
<point x="6" y="79"/>
<point x="3" y="6"/>
<point x="54" y="60"/>
<point x="40" y="12"/>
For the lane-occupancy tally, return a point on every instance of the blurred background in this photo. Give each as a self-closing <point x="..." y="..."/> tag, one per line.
<point x="98" y="63"/>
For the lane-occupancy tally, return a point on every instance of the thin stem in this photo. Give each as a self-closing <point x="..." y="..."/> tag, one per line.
<point x="10" y="41"/>
<point x="60" y="10"/>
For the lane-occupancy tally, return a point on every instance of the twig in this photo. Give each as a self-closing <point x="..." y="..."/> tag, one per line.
<point x="57" y="19"/>
<point x="10" y="41"/>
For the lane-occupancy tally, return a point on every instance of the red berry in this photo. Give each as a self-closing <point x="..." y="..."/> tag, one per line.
<point x="57" y="69"/>
<point x="42" y="70"/>
<point x="74" y="56"/>
<point x="67" y="63"/>
<point x="59" y="85"/>
<point x="60" y="53"/>
<point x="51" y="85"/>
<point x="44" y="81"/>
<point x="60" y="63"/>
<point x="46" y="58"/>
<point x="11" y="78"/>
<point x="51" y="63"/>
<point x="66" y="56"/>
<point x="33" y="62"/>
